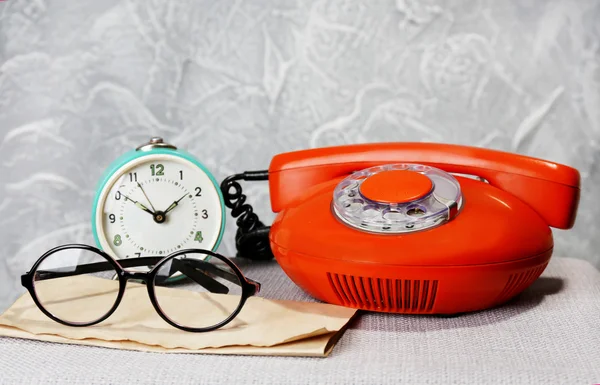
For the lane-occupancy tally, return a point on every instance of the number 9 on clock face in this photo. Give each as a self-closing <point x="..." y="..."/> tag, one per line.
<point x="157" y="202"/>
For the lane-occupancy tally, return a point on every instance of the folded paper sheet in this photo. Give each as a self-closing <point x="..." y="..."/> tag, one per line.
<point x="263" y="327"/>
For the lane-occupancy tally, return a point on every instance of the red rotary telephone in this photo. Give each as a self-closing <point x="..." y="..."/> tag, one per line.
<point x="419" y="228"/>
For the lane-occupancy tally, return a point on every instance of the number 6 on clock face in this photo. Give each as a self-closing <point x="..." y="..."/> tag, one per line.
<point x="155" y="201"/>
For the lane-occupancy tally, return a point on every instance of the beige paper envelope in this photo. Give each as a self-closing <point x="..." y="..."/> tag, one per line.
<point x="263" y="327"/>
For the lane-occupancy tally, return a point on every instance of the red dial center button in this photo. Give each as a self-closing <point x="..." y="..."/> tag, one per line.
<point x="396" y="186"/>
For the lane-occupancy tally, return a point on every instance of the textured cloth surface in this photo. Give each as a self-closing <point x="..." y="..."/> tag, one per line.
<point x="550" y="334"/>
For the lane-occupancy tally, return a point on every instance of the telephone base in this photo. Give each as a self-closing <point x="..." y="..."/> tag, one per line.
<point x="444" y="291"/>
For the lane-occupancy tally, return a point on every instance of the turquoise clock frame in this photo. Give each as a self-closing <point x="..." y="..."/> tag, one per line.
<point x="135" y="154"/>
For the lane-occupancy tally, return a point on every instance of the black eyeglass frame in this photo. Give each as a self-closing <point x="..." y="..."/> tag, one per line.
<point x="249" y="286"/>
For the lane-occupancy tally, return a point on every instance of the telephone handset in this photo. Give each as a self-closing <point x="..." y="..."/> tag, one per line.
<point x="409" y="227"/>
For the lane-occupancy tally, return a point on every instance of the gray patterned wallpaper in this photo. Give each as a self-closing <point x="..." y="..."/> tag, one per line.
<point x="236" y="82"/>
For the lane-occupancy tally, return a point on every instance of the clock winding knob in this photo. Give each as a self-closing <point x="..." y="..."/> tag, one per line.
<point x="155" y="142"/>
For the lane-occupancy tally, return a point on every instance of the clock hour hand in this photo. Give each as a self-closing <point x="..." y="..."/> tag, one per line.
<point x="139" y="205"/>
<point x="174" y="204"/>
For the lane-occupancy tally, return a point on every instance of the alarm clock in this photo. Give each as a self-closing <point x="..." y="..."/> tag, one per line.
<point x="156" y="200"/>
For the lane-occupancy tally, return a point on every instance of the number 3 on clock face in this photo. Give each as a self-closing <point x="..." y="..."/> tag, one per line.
<point x="155" y="202"/>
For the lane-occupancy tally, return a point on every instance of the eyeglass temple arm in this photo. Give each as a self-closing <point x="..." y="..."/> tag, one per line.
<point x="209" y="267"/>
<point x="95" y="267"/>
<point x="196" y="275"/>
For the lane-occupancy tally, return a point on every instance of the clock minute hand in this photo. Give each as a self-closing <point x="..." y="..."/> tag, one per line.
<point x="139" y="205"/>
<point x="174" y="204"/>
<point x="148" y="199"/>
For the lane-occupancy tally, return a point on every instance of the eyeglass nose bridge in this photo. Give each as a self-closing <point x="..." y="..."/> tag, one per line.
<point x="135" y="275"/>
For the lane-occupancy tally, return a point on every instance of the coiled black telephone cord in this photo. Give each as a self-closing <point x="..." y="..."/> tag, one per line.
<point x="252" y="236"/>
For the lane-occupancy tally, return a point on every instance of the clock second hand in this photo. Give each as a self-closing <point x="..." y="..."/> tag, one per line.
<point x="148" y="199"/>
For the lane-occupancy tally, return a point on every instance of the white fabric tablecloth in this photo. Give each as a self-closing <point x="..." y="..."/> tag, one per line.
<point x="551" y="335"/>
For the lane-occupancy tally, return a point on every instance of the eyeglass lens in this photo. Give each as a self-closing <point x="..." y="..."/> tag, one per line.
<point x="197" y="290"/>
<point x="64" y="287"/>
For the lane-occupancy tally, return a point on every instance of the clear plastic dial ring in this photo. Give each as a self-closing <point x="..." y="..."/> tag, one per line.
<point x="439" y="205"/>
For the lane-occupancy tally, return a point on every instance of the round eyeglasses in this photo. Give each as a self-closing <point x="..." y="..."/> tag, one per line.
<point x="194" y="290"/>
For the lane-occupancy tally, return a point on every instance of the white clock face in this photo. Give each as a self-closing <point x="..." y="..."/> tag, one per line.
<point x="156" y="205"/>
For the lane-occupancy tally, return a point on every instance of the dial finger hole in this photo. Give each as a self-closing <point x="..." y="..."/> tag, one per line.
<point x="370" y="213"/>
<point x="416" y="211"/>
<point x="418" y="167"/>
<point x="354" y="204"/>
<point x="378" y="169"/>
<point x="343" y="199"/>
<point x="393" y="215"/>
<point x="347" y="185"/>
